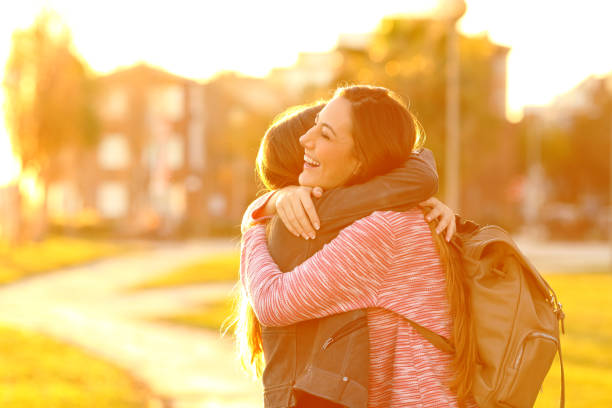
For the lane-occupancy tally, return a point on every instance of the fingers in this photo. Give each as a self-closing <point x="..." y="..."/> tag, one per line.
<point x="433" y="214"/>
<point x="443" y="221"/>
<point x="300" y="220"/>
<point x="282" y="214"/>
<point x="317" y="192"/>
<point x="430" y="202"/>
<point x="452" y="228"/>
<point x="297" y="211"/>
<point x="309" y="207"/>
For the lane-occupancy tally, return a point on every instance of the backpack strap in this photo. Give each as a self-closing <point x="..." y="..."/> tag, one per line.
<point x="438" y="341"/>
<point x="562" y="377"/>
<point x="442" y="343"/>
<point x="560" y="318"/>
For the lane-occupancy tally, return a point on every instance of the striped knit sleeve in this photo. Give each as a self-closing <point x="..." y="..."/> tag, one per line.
<point x="251" y="215"/>
<point x="345" y="275"/>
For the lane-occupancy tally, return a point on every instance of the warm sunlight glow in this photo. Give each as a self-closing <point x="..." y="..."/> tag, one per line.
<point x="555" y="45"/>
<point x="31" y="188"/>
<point x="9" y="164"/>
<point x="194" y="39"/>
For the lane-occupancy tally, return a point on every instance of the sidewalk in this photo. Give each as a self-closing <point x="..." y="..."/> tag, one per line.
<point x="559" y="257"/>
<point x="86" y="306"/>
<point x="189" y="368"/>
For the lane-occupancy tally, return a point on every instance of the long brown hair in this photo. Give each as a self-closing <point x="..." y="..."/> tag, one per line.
<point x="281" y="157"/>
<point x="384" y="132"/>
<point x="279" y="163"/>
<point x="462" y="333"/>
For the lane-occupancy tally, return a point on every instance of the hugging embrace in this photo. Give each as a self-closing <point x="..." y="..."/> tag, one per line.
<point x="350" y="293"/>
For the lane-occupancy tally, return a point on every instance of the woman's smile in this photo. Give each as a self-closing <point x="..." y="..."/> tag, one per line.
<point x="309" y="162"/>
<point x="329" y="157"/>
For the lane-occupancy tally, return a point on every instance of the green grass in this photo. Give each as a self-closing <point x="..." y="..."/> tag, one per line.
<point x="587" y="344"/>
<point x="208" y="315"/>
<point x="36" y="371"/>
<point x="53" y="253"/>
<point x="223" y="267"/>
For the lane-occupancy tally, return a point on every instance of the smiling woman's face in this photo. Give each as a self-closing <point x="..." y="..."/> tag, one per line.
<point x="329" y="158"/>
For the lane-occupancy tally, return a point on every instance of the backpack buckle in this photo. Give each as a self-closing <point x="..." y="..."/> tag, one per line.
<point x="560" y="316"/>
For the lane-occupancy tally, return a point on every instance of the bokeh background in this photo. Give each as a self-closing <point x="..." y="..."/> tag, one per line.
<point x="127" y="146"/>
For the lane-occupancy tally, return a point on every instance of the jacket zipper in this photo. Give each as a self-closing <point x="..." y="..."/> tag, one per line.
<point x="345" y="331"/>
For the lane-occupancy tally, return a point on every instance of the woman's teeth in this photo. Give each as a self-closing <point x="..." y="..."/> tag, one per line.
<point x="311" y="161"/>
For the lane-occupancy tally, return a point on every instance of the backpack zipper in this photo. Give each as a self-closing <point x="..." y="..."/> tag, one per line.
<point x="522" y="349"/>
<point x="345" y="331"/>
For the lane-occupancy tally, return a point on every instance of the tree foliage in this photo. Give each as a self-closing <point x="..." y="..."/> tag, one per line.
<point x="409" y="57"/>
<point x="49" y="93"/>
<point x="576" y="148"/>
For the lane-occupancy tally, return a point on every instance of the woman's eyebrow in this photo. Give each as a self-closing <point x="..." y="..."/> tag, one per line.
<point x="331" y="129"/>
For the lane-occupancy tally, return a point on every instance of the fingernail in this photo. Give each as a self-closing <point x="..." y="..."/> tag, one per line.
<point x="312" y="236"/>
<point x="316" y="226"/>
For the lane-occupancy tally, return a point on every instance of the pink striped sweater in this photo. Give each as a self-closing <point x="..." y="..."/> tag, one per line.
<point x="386" y="262"/>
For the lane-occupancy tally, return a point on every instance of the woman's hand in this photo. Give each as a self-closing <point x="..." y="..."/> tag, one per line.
<point x="444" y="214"/>
<point x="295" y="208"/>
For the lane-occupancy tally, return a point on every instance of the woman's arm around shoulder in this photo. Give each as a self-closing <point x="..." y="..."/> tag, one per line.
<point x="345" y="275"/>
<point x="415" y="181"/>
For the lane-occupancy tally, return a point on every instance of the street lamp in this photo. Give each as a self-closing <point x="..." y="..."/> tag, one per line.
<point x="451" y="11"/>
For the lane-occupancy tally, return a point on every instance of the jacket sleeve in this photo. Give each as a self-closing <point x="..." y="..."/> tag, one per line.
<point x="415" y="181"/>
<point x="345" y="275"/>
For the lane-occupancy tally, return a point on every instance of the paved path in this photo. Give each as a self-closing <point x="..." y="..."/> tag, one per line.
<point x="87" y="306"/>
<point x="190" y="368"/>
<point x="559" y="257"/>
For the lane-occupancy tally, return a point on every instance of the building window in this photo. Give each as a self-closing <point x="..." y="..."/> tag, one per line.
<point x="195" y="133"/>
<point x="114" y="104"/>
<point x="175" y="152"/>
<point x="112" y="200"/>
<point x="177" y="201"/>
<point x="113" y="152"/>
<point x="63" y="200"/>
<point x="167" y="102"/>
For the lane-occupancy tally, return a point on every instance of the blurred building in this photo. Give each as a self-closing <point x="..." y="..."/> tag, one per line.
<point x="312" y="73"/>
<point x="560" y="111"/>
<point x="241" y="109"/>
<point x="147" y="171"/>
<point x="177" y="155"/>
<point x="173" y="157"/>
<point x="568" y="143"/>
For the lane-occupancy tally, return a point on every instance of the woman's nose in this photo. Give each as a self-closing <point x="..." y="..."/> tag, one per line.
<point x="306" y="138"/>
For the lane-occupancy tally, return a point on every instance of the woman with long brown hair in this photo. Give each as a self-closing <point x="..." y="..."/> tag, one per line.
<point x="289" y="349"/>
<point x="387" y="262"/>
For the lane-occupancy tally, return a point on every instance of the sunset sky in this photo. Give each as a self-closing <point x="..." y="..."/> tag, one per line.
<point x="555" y="44"/>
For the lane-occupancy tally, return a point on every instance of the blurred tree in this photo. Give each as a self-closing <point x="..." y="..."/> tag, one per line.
<point x="408" y="56"/>
<point x="49" y="98"/>
<point x="575" y="152"/>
